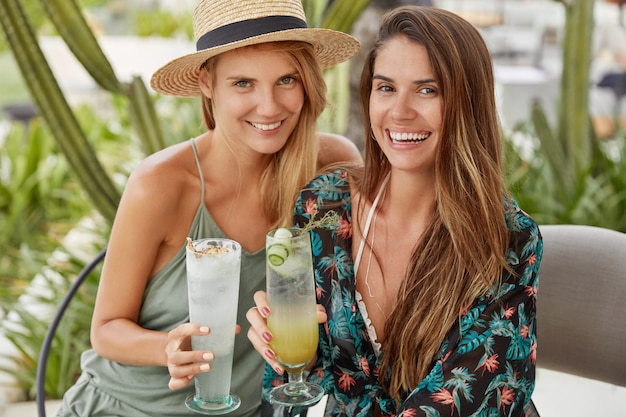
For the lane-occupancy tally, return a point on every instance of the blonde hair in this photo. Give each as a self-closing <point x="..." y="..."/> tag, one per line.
<point x="461" y="255"/>
<point x="289" y="168"/>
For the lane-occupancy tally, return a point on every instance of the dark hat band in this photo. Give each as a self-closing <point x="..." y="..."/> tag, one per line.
<point x="237" y="31"/>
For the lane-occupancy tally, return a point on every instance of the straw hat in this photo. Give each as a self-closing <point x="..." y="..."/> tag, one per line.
<point x="223" y="25"/>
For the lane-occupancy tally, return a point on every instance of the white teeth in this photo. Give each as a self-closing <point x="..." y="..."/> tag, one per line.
<point x="265" y="127"/>
<point x="398" y="137"/>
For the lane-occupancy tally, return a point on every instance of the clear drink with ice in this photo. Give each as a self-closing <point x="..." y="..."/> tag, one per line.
<point x="213" y="271"/>
<point x="293" y="318"/>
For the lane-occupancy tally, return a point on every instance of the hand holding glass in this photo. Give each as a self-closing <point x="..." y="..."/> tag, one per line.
<point x="293" y="321"/>
<point x="213" y="270"/>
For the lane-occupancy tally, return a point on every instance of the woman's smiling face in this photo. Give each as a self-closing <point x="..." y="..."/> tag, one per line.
<point x="405" y="106"/>
<point x="257" y="97"/>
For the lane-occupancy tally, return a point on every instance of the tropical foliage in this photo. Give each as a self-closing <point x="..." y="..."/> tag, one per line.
<point x="42" y="248"/>
<point x="26" y="330"/>
<point x="594" y="195"/>
<point x="37" y="191"/>
<point x="566" y="174"/>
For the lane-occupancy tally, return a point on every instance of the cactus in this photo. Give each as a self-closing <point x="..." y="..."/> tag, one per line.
<point x="574" y="130"/>
<point x="55" y="110"/>
<point x="52" y="105"/>
<point x="568" y="146"/>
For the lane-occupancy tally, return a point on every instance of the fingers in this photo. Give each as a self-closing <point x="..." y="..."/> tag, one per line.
<point x="321" y="314"/>
<point x="181" y="375"/>
<point x="182" y="362"/>
<point x="179" y="338"/>
<point x="260" y="299"/>
<point x="259" y="334"/>
<point x="178" y="383"/>
<point x="257" y="317"/>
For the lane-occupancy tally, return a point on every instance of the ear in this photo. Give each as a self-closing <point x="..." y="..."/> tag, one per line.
<point x="204" y="81"/>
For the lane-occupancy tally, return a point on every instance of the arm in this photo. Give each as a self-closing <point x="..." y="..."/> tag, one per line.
<point x="128" y="265"/>
<point x="141" y="243"/>
<point x="336" y="148"/>
<point x="488" y="363"/>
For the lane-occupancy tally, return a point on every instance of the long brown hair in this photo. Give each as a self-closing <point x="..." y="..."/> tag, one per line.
<point x="461" y="255"/>
<point x="289" y="168"/>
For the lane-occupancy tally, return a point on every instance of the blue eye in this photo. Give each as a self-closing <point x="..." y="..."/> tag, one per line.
<point x="287" y="80"/>
<point x="243" y="83"/>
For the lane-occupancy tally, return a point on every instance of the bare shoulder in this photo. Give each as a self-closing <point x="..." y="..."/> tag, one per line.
<point x="162" y="177"/>
<point x="336" y="148"/>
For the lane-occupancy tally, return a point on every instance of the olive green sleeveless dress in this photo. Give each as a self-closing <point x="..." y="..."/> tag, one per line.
<point x="107" y="388"/>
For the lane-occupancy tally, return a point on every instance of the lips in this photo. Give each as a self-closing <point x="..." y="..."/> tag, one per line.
<point x="408" y="137"/>
<point x="263" y="126"/>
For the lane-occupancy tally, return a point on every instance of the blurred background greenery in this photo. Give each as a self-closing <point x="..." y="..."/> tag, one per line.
<point x="66" y="166"/>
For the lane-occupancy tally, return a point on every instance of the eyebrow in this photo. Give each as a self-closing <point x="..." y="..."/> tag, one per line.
<point x="243" y="77"/>
<point x="389" y="80"/>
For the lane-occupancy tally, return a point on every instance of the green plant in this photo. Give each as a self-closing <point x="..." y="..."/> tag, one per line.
<point x="51" y="103"/>
<point x="162" y="23"/>
<point x="574" y="125"/>
<point x="118" y="150"/>
<point x="35" y="183"/>
<point x="570" y="176"/>
<point x="555" y="193"/>
<point x="182" y="118"/>
<point x="39" y="202"/>
<point x="336" y="15"/>
<point x="26" y="329"/>
<point x="40" y="199"/>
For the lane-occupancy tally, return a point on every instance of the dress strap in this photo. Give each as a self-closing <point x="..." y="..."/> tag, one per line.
<point x="368" y="222"/>
<point x="195" y="154"/>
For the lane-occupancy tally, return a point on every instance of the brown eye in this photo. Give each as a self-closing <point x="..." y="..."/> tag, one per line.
<point x="427" y="91"/>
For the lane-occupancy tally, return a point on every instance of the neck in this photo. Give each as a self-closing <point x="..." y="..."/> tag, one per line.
<point x="409" y="197"/>
<point x="222" y="161"/>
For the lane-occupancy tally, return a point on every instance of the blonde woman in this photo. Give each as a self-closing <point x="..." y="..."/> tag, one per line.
<point x="258" y="69"/>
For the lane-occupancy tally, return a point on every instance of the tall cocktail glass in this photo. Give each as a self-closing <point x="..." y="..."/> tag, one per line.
<point x="213" y="270"/>
<point x="293" y="318"/>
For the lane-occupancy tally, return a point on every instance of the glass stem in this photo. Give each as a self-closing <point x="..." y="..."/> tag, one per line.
<point x="296" y="383"/>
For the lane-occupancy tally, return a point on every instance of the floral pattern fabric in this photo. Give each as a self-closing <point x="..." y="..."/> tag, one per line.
<point x="486" y="367"/>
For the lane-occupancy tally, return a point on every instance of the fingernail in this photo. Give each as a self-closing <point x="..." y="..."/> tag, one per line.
<point x="204" y="329"/>
<point x="278" y="370"/>
<point x="265" y="311"/>
<point x="207" y="356"/>
<point x="267" y="336"/>
<point x="270" y="355"/>
<point x="205" y="367"/>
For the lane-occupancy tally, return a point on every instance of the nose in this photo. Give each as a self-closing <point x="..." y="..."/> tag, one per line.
<point x="403" y="108"/>
<point x="268" y="104"/>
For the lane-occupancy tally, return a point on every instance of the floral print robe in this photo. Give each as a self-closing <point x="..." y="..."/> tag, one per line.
<point x="486" y="367"/>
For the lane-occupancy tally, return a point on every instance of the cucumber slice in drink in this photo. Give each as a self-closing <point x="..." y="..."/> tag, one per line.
<point x="278" y="252"/>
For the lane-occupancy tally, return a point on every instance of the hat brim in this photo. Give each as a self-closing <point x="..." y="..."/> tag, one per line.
<point x="179" y="77"/>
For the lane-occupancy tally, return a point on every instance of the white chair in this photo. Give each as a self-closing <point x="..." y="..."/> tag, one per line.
<point x="581" y="302"/>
